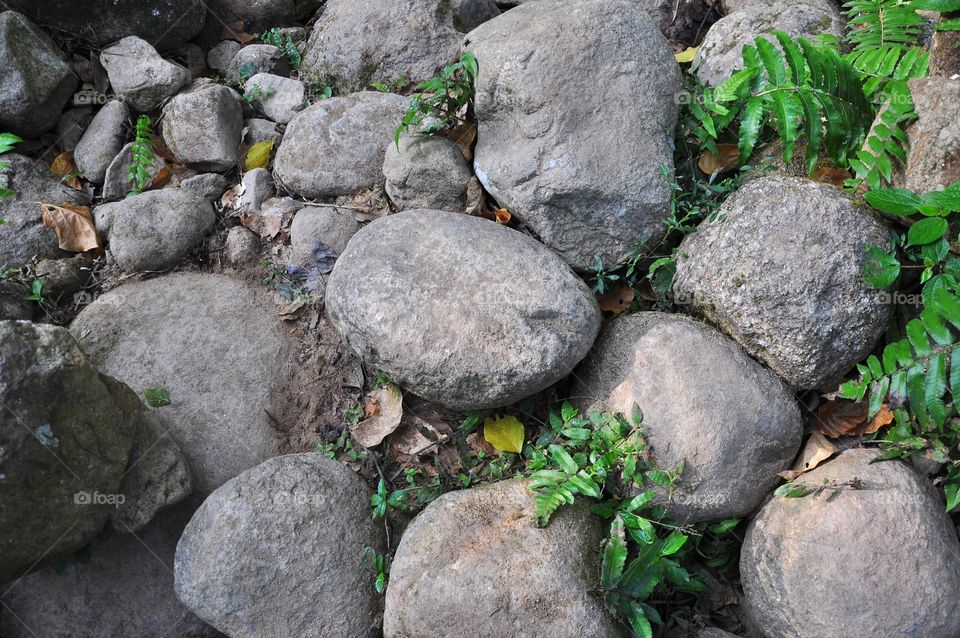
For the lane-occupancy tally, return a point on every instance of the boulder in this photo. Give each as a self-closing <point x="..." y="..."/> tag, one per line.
<point x="731" y="6"/>
<point x="426" y="171"/>
<point x="23" y="237"/>
<point x="209" y="186"/>
<point x="257" y="130"/>
<point x="257" y="15"/>
<point x="278" y="98"/>
<point x="64" y="277"/>
<point x="321" y="230"/>
<point x="550" y="146"/>
<point x="720" y="53"/>
<point x="13" y="302"/>
<point x="66" y="432"/>
<point x="102" y="141"/>
<point x="241" y="247"/>
<point x="257" y="188"/>
<point x="139" y="76"/>
<point x="380" y="40"/>
<point x="474" y="563"/>
<point x="426" y="297"/>
<point x="691" y="383"/>
<point x="36" y="80"/>
<point x="254" y="59"/>
<point x="933" y="161"/>
<point x="221" y="55"/>
<point x="156" y="229"/>
<point x="116" y="183"/>
<point x="336" y="147"/>
<point x="780" y="273"/>
<point x="215" y="345"/>
<point x="307" y="520"/>
<point x="192" y="57"/>
<point x="202" y="127"/>
<point x="71" y="126"/>
<point x="869" y="552"/>
<point x="470" y="14"/>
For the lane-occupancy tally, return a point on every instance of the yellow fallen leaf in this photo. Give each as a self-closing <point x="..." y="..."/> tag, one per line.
<point x="73" y="224"/>
<point x="505" y="433"/>
<point x="686" y="55"/>
<point x="259" y="155"/>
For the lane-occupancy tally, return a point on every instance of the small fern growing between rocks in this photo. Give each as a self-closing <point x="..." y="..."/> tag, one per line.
<point x="442" y="98"/>
<point x="142" y="156"/>
<point x="884" y="35"/>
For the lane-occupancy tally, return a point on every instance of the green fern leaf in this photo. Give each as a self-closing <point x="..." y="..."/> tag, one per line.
<point x="750" y="126"/>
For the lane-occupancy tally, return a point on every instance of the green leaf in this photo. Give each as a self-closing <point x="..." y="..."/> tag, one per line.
<point x="926" y="231"/>
<point x="880" y="268"/>
<point x="563" y="459"/>
<point x="896" y="201"/>
<point x="156" y="397"/>
<point x="614" y="554"/>
<point x="791" y="490"/>
<point x="673" y="543"/>
<point x="750" y="127"/>
<point x="504" y="433"/>
<point x="658" y="477"/>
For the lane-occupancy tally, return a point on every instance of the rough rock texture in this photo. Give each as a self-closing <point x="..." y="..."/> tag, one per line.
<point x="209" y="186"/>
<point x="321" y="229"/>
<point x="64" y="276"/>
<point x="241" y="247"/>
<point x="422" y="296"/>
<point x="379" y="40"/>
<point x="336" y="146"/>
<point x="781" y="275"/>
<point x="254" y="59"/>
<point x="156" y="229"/>
<point x="693" y="384"/>
<point x="719" y="55"/>
<point x="426" y="171"/>
<point x="192" y="57"/>
<point x="165" y="24"/>
<point x="879" y="558"/>
<point x="257" y="15"/>
<point x="945" y="53"/>
<point x="116" y="184"/>
<point x="65" y="430"/>
<point x="550" y="146"/>
<point x="13" y="304"/>
<point x="125" y="588"/>
<point x="470" y="14"/>
<point x="215" y="345"/>
<point x="23" y="237"/>
<point x="474" y="563"/>
<point x="257" y="187"/>
<point x="139" y="76"/>
<point x="307" y="520"/>
<point x="278" y="98"/>
<point x="202" y="127"/>
<point x="933" y="162"/>
<point x="102" y="141"/>
<point x="221" y="55"/>
<point x="731" y="6"/>
<point x="260" y="130"/>
<point x="71" y="126"/>
<point x="36" y="81"/>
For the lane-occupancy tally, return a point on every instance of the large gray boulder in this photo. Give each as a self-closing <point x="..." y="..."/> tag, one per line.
<point x="935" y="136"/>
<point x="202" y="127"/>
<point x="254" y="59"/>
<point x="276" y="97"/>
<point x="66" y="431"/>
<point x="426" y="171"/>
<point x="704" y="402"/>
<point x="780" y="273"/>
<point x="871" y="554"/>
<point x="36" y="80"/>
<point x="215" y="345"/>
<point x="156" y="229"/>
<point x="550" y="146"/>
<point x="474" y="563"/>
<point x="357" y="43"/>
<point x="102" y="141"/>
<point x="23" y="237"/>
<point x="459" y="309"/>
<point x="139" y="76"/>
<point x="336" y="147"/>
<point x="306" y="520"/>
<point x="470" y="14"/>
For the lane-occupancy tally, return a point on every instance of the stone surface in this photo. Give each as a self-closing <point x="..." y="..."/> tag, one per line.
<point x="215" y="345"/>
<point x="13" y="303"/>
<point x="139" y="76"/>
<point x="945" y="53"/>
<point x="221" y="55"/>
<point x="209" y="186"/>
<point x="550" y="147"/>
<point x="336" y="147"/>
<point x="254" y="59"/>
<point x="307" y="520"/>
<point x="278" y="98"/>
<point x="192" y="57"/>
<point x="321" y="229"/>
<point x="65" y="276"/>
<point x="422" y="296"/>
<point x="719" y="54"/>
<point x="933" y="161"/>
<point x="426" y="172"/>
<point x="731" y="6"/>
<point x="691" y="383"/>
<point x="259" y="130"/>
<point x="36" y="80"/>
<point x="380" y="40"/>
<point x="71" y="126"/>
<point x="474" y="563"/>
<point x="470" y="14"/>
<point x="66" y="431"/>
<point x="102" y="141"/>
<point x="780" y="273"/>
<point x="156" y="229"/>
<point x="116" y="184"/>
<point x="23" y="237"/>
<point x="257" y="15"/>
<point x="878" y="558"/>
<point x="241" y="247"/>
<point x="202" y="127"/>
<point x="257" y="188"/>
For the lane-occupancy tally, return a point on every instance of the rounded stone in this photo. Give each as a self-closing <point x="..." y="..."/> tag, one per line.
<point x="426" y="171"/>
<point x="325" y="229"/>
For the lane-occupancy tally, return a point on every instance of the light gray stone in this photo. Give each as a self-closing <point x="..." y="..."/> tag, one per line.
<point x="258" y="130"/>
<point x="254" y="59"/>
<point x="276" y="97"/>
<point x="209" y="186"/>
<point x="116" y="183"/>
<point x="102" y="141"/>
<point x="242" y="247"/>
<point x="323" y="229"/>
<point x="731" y="6"/>
<point x="202" y="127"/>
<point x="933" y="161"/>
<point x="221" y="55"/>
<point x="257" y="188"/>
<point x="139" y="76"/>
<point x="426" y="171"/>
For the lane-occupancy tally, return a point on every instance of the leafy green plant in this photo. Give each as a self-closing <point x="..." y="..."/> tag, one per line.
<point x="285" y="43"/>
<point x="7" y="142"/>
<point x="887" y="141"/>
<point x="884" y="35"/>
<point x="36" y="291"/>
<point x="142" y="156"/>
<point x="379" y="564"/>
<point x="444" y="98"/>
<point x="384" y="500"/>
<point x="255" y="92"/>
<point x="157" y="397"/>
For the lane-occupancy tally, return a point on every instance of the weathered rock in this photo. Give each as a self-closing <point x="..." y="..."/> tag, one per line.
<point x="731" y="6"/>
<point x="35" y="79"/>
<point x="64" y="276"/>
<point x="116" y="183"/>
<point x="945" y="53"/>
<point x="257" y="188"/>
<point x="426" y="172"/>
<point x="713" y="632"/>
<point x="875" y="540"/>
<point x="71" y="126"/>
<point x="209" y="186"/>
<point x="221" y="55"/>
<point x="258" y="130"/>
<point x="550" y="146"/>
<point x="23" y="237"/>
<point x="139" y="76"/>
<point x="242" y="247"/>
<point x="719" y="54"/>
<point x="13" y="303"/>
<point x="124" y="588"/>
<point x="215" y="345"/>
<point x="379" y="40"/>
<point x="65" y="437"/>
<point x="471" y="555"/>
<point x="415" y="295"/>
<point x="278" y="98"/>
<point x="780" y="273"/>
<point x="102" y="141"/>
<point x="254" y="59"/>
<point x="336" y="146"/>
<point x="691" y="383"/>
<point x="156" y="229"/>
<point x="193" y="58"/>
<point x="321" y="229"/>
<point x="202" y="127"/>
<point x="470" y="14"/>
<point x="320" y="503"/>
<point x="257" y="15"/>
<point x="933" y="162"/>
<point x="164" y="23"/>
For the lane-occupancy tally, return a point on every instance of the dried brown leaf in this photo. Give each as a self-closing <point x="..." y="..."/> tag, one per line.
<point x="464" y="135"/>
<point x="831" y="175"/>
<point x="74" y="226"/>
<point x="817" y="450"/>
<point x="384" y="410"/>
<point x="617" y="299"/>
<point x="476" y="197"/>
<point x="502" y="216"/>
<point x="63" y="167"/>
<point x="839" y="417"/>
<point x="882" y="418"/>
<point x="726" y="161"/>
